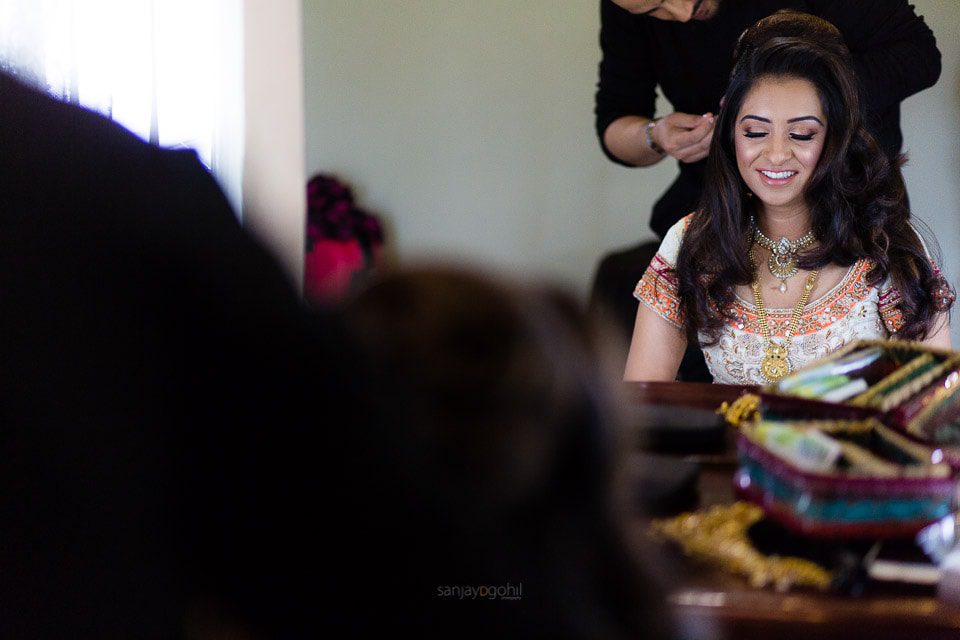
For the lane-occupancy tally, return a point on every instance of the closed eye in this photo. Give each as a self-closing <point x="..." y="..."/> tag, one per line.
<point x="754" y="134"/>
<point x="802" y="137"/>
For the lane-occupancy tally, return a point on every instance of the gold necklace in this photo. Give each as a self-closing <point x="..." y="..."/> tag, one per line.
<point x="719" y="535"/>
<point x="783" y="262"/>
<point x="776" y="362"/>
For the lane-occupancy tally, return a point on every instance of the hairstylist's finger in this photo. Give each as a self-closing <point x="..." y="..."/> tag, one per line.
<point x="681" y="120"/>
<point x="703" y="130"/>
<point x="696" y="152"/>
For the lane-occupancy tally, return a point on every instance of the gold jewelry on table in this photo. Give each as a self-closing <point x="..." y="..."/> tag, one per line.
<point x="776" y="362"/>
<point x="745" y="409"/>
<point x="719" y="535"/>
<point x="783" y="262"/>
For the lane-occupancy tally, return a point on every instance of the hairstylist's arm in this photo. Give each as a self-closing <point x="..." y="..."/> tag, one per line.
<point x="683" y="136"/>
<point x="626" y="99"/>
<point x="894" y="50"/>
<point x="656" y="349"/>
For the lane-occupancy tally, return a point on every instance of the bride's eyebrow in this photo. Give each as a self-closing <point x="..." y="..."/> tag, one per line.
<point x="791" y="120"/>
<point x="802" y="118"/>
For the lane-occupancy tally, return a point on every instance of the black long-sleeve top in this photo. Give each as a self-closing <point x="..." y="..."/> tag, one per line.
<point x="894" y="51"/>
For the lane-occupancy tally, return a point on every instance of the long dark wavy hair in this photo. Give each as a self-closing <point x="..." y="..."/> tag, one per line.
<point x="856" y="195"/>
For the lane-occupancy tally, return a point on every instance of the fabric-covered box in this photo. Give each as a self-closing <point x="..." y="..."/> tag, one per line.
<point x="878" y="485"/>
<point x="863" y="444"/>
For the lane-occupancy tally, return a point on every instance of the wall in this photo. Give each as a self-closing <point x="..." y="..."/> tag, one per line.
<point x="273" y="169"/>
<point x="469" y="127"/>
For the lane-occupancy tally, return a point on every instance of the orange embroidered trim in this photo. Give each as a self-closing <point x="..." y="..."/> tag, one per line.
<point x="851" y="290"/>
<point x="890" y="311"/>
<point x="658" y="290"/>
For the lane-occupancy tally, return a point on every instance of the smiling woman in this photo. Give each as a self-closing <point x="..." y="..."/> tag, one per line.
<point x="796" y="183"/>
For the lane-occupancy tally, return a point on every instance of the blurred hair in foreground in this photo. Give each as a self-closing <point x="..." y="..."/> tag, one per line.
<point x="499" y="465"/>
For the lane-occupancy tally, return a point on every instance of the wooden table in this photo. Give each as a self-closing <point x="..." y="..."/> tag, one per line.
<point x="709" y="598"/>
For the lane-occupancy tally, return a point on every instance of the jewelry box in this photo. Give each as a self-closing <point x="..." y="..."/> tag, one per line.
<point x="862" y="444"/>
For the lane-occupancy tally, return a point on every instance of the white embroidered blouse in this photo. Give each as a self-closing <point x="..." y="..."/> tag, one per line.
<point x="850" y="311"/>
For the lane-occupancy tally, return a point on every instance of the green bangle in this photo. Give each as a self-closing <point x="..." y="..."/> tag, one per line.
<point x="650" y="143"/>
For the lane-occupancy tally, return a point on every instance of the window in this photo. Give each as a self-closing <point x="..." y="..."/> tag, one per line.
<point x="168" y="70"/>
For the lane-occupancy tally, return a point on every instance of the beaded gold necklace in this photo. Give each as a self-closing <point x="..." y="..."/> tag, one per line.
<point x="776" y="361"/>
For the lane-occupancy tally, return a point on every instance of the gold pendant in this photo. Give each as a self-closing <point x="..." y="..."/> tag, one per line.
<point x="775" y="364"/>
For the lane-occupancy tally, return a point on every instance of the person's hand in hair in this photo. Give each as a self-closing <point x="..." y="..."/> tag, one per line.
<point x="684" y="136"/>
<point x="642" y="142"/>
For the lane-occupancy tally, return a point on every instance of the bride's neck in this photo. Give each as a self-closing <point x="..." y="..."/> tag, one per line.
<point x="790" y="224"/>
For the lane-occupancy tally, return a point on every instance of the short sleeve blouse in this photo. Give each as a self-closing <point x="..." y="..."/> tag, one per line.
<point x="850" y="311"/>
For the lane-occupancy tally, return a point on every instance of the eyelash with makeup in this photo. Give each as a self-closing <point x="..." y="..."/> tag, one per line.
<point x="796" y="136"/>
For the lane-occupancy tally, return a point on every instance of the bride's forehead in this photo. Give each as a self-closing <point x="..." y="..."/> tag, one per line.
<point x="782" y="93"/>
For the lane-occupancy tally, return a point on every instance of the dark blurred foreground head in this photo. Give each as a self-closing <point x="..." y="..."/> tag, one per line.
<point x="187" y="453"/>
<point x="498" y="465"/>
<point x="160" y="384"/>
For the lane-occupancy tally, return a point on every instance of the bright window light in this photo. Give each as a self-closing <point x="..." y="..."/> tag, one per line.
<point x="168" y="70"/>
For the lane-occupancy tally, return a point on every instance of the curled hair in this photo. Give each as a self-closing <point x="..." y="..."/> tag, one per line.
<point x="856" y="195"/>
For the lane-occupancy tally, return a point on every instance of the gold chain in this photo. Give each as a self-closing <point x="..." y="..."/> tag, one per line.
<point x="720" y="536"/>
<point x="776" y="364"/>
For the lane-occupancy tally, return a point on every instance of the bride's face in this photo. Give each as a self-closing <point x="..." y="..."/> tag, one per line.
<point x="779" y="134"/>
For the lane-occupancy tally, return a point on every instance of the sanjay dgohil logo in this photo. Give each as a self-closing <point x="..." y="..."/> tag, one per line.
<point x="481" y="592"/>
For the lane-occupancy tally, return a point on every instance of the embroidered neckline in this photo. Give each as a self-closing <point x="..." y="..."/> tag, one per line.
<point x="857" y="269"/>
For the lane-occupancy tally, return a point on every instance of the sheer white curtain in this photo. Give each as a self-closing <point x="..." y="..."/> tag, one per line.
<point x="171" y="71"/>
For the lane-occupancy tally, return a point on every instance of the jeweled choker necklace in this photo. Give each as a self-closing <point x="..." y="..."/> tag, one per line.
<point x="783" y="262"/>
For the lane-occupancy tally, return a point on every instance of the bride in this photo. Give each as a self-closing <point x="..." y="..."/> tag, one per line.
<point x="803" y="241"/>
